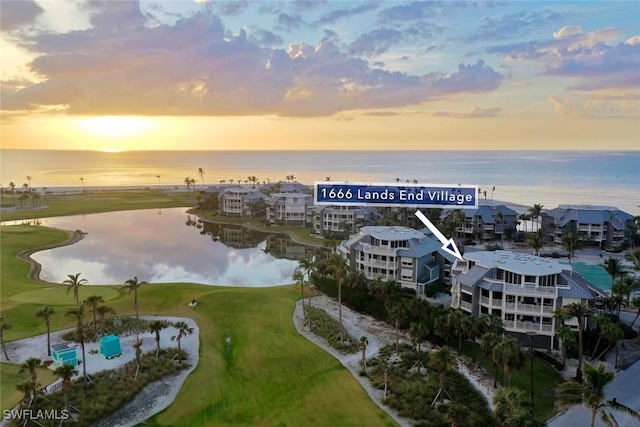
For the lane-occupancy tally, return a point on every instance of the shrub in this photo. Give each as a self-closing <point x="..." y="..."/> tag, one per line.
<point x="629" y="333"/>
<point x="327" y="327"/>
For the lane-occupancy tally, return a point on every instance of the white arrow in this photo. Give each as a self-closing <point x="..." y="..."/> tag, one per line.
<point x="448" y="246"/>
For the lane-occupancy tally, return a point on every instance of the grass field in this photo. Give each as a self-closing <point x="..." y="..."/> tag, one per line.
<point x="269" y="375"/>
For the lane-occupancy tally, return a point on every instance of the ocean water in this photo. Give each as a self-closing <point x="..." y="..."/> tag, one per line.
<point x="524" y="177"/>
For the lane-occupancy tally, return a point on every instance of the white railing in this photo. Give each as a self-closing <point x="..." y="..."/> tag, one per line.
<point x="466" y="305"/>
<point x="528" y="308"/>
<point x="527" y="326"/>
<point x="496" y="303"/>
<point x="529" y="289"/>
<point x="484" y="300"/>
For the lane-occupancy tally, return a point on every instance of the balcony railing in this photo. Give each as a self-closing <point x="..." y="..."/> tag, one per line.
<point x="530" y="289"/>
<point x="527" y="326"/>
<point x="484" y="300"/>
<point x="466" y="305"/>
<point x="467" y="288"/>
<point x="528" y="308"/>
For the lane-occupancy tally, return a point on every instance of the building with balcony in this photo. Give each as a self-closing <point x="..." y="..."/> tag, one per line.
<point x="523" y="290"/>
<point x="340" y="221"/>
<point x="605" y="226"/>
<point x="488" y="221"/>
<point x="412" y="258"/>
<point x="241" y="202"/>
<point x="290" y="209"/>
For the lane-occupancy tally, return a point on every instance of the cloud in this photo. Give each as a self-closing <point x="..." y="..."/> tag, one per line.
<point x="594" y="59"/>
<point x="597" y="107"/>
<point x="232" y="8"/>
<point x="267" y="38"/>
<point x="474" y="113"/>
<point x="419" y="10"/>
<point x="375" y="42"/>
<point x="635" y="40"/>
<point x="16" y="13"/>
<point x="338" y="14"/>
<point x="567" y="31"/>
<point x="513" y="25"/>
<point x="288" y="22"/>
<point x="382" y="114"/>
<point x="196" y="66"/>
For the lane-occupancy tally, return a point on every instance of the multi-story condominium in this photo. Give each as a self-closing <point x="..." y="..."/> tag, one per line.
<point x="488" y="221"/>
<point x="603" y="225"/>
<point x="340" y="221"/>
<point x="410" y="257"/>
<point x="523" y="290"/>
<point x="290" y="209"/>
<point x="239" y="201"/>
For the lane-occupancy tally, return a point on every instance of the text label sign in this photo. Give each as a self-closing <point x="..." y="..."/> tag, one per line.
<point x="376" y="194"/>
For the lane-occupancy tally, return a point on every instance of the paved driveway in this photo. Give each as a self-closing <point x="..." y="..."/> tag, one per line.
<point x="625" y="387"/>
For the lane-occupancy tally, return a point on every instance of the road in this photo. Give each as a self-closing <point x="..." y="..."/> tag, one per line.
<point x="624" y="387"/>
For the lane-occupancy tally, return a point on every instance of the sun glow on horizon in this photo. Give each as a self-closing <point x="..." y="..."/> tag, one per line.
<point x="116" y="126"/>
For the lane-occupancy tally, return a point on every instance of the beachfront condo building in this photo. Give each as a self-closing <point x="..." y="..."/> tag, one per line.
<point x="606" y="226"/>
<point x="294" y="209"/>
<point x="241" y="202"/>
<point x="411" y="257"/>
<point x="523" y="290"/>
<point x="340" y="221"/>
<point x="487" y="222"/>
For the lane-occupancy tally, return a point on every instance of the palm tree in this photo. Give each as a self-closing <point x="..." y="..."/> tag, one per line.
<point x="30" y="365"/>
<point x="28" y="178"/>
<point x="308" y="266"/>
<point x="632" y="257"/>
<point x="298" y="276"/>
<point x="74" y="283"/>
<point x="102" y="311"/>
<point x="77" y="314"/>
<point x="202" y="174"/>
<point x="507" y="401"/>
<point x="613" y="267"/>
<point x="137" y="346"/>
<point x="363" y="346"/>
<point x="456" y="328"/>
<point x="13" y="191"/>
<point x="133" y="285"/>
<point x="156" y="326"/>
<point x="470" y="328"/>
<point x="46" y="312"/>
<point x="187" y="181"/>
<point x="158" y="176"/>
<point x="3" y="327"/>
<point x="492" y="323"/>
<point x="93" y="301"/>
<point x="612" y="333"/>
<point x="499" y="218"/>
<point x="396" y="311"/>
<point x="510" y="354"/>
<point x="457" y="414"/>
<point x="66" y="372"/>
<point x="443" y="360"/>
<point x="83" y="187"/>
<point x="536" y="211"/>
<point x="338" y="265"/>
<point x="591" y="394"/>
<point x="535" y="241"/>
<point x="582" y="312"/>
<point x="183" y="330"/>
<point x="570" y="243"/>
<point x="568" y="337"/>
<point x="418" y="331"/>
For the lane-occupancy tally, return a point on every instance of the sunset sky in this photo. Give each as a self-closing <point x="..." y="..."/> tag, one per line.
<point x="175" y="75"/>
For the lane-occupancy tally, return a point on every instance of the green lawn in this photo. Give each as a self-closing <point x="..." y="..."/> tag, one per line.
<point x="269" y="376"/>
<point x="546" y="379"/>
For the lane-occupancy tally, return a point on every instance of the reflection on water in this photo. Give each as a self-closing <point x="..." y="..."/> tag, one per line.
<point x="159" y="248"/>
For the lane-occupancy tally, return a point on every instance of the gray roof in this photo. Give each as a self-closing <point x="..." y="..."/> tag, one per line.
<point x="529" y="265"/>
<point x="392" y="233"/>
<point x="472" y="276"/>
<point x="490" y="286"/>
<point x="488" y="213"/>
<point x="585" y="214"/>
<point x="580" y="287"/>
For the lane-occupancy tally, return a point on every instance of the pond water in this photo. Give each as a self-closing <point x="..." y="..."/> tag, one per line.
<point x="168" y="245"/>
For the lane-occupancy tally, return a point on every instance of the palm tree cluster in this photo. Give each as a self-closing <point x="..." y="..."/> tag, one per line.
<point x="591" y="393"/>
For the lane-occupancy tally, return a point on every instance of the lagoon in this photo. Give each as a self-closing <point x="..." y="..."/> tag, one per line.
<point x="168" y="246"/>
